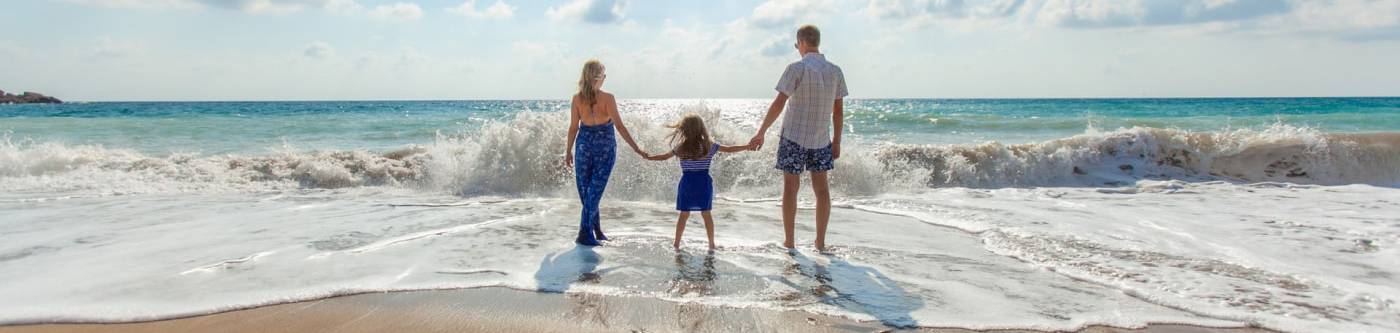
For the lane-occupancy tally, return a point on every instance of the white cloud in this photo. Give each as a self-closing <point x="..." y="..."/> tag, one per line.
<point x="1349" y="14"/>
<point x="11" y="49"/>
<point x="139" y="3"/>
<point x="108" y="48"/>
<point x="1344" y="19"/>
<point x="397" y="12"/>
<point x="591" y="11"/>
<point x="1096" y="14"/>
<point x="786" y="13"/>
<point x="248" y="6"/>
<point x="1354" y="20"/>
<point x="318" y="50"/>
<point x="888" y="9"/>
<point x="1083" y="13"/>
<point x="497" y="11"/>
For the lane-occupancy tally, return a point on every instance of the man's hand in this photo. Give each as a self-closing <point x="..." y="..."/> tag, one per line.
<point x="756" y="142"/>
<point x="835" y="150"/>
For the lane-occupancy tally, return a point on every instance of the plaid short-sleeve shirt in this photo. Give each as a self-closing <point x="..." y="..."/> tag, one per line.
<point x="812" y="85"/>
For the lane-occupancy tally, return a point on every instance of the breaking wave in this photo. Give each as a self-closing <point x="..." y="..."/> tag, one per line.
<point x="524" y="157"/>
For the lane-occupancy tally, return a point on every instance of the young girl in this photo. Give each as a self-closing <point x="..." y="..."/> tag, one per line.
<point x="695" y="192"/>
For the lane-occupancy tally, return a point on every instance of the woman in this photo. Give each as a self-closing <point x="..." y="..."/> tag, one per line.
<point x="591" y="121"/>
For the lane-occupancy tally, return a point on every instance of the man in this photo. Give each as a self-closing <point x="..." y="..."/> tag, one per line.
<point x="811" y="89"/>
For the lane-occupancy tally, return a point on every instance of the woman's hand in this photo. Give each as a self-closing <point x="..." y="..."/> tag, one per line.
<point x="569" y="159"/>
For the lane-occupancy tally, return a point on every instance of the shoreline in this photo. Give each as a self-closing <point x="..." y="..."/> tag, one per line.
<point x="490" y="309"/>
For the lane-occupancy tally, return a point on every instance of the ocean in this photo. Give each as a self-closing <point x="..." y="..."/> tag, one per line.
<point x="1050" y="214"/>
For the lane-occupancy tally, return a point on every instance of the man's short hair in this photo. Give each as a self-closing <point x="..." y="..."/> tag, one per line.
<point x="810" y="35"/>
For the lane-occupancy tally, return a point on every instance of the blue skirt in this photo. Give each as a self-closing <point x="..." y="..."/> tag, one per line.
<point x="696" y="191"/>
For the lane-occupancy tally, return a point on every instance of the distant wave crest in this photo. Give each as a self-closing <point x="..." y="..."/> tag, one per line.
<point x="524" y="157"/>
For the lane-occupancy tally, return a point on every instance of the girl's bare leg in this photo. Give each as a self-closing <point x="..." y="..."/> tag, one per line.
<point x="680" y="229"/>
<point x="709" y="228"/>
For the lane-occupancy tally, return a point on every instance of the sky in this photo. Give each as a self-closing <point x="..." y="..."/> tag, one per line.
<point x="101" y="50"/>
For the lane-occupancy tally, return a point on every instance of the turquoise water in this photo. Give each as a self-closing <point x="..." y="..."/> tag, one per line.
<point x="1210" y="212"/>
<point x="258" y="127"/>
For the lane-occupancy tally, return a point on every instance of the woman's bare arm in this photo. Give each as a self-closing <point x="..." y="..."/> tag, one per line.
<point x="611" y="105"/>
<point x="573" y="132"/>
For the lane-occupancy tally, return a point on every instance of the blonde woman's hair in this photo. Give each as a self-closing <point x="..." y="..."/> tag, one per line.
<point x="694" y="138"/>
<point x="587" y="90"/>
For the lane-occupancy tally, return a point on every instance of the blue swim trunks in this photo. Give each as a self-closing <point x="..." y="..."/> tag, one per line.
<point x="794" y="159"/>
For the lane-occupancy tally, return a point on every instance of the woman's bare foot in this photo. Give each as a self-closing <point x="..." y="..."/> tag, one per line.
<point x="676" y="245"/>
<point x="788" y="244"/>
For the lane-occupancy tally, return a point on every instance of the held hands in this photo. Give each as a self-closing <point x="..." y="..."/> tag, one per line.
<point x="756" y="142"/>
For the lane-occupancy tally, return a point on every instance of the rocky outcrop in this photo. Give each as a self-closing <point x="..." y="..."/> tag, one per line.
<point x="26" y="98"/>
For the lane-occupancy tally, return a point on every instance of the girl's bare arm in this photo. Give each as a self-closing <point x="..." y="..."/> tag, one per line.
<point x="661" y="157"/>
<point x="734" y="149"/>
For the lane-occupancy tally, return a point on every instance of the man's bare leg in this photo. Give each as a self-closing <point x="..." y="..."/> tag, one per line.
<point x="791" y="183"/>
<point x="821" y="189"/>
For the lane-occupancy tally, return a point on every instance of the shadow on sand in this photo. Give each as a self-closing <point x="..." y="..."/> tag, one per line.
<point x="559" y="271"/>
<point x="695" y="274"/>
<point x="853" y="288"/>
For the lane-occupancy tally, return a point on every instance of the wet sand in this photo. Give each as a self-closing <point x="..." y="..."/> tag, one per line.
<point x="507" y="310"/>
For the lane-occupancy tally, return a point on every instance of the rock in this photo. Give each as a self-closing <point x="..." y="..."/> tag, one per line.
<point x="27" y="98"/>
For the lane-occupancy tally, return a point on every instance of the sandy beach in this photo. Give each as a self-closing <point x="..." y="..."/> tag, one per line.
<point x="508" y="310"/>
<point x="1033" y="166"/>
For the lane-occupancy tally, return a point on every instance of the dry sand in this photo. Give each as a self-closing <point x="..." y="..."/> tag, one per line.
<point x="507" y="310"/>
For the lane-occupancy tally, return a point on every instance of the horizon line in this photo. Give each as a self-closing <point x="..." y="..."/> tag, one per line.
<point x="710" y="98"/>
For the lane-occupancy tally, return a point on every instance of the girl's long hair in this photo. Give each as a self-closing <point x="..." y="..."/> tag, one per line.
<point x="694" y="138"/>
<point x="587" y="90"/>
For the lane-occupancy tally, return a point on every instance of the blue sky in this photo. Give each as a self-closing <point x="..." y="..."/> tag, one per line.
<point x="502" y="49"/>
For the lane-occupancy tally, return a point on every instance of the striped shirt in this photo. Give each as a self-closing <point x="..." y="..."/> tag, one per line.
<point x="700" y="164"/>
<point x="812" y="85"/>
